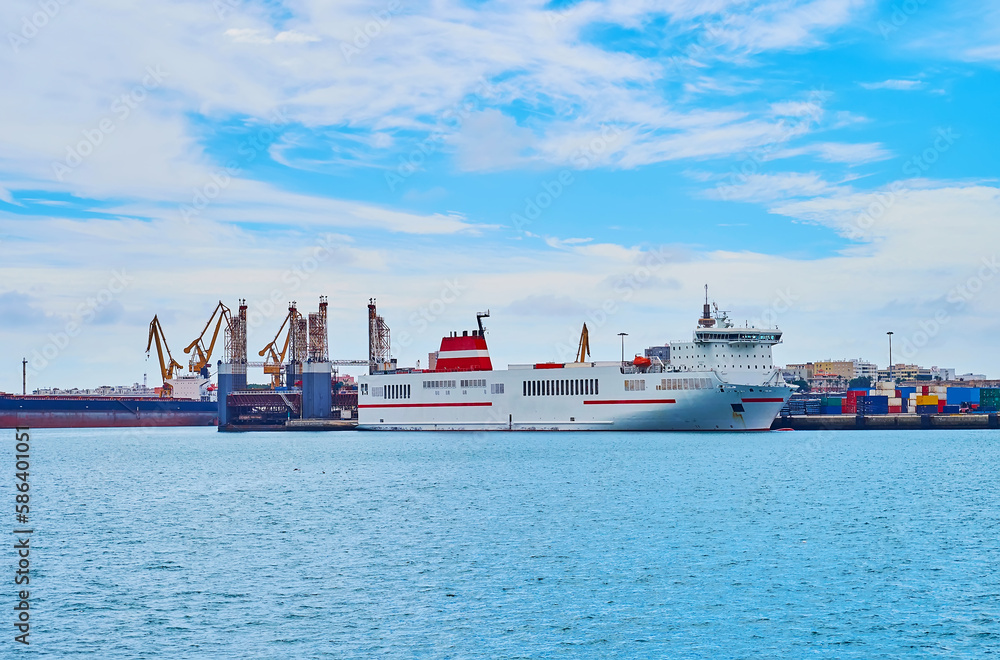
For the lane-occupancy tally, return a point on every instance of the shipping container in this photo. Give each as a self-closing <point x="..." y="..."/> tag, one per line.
<point x="895" y="409"/>
<point x="950" y="409"/>
<point x="927" y="400"/>
<point x="989" y="399"/>
<point x="960" y="395"/>
<point x="926" y="410"/>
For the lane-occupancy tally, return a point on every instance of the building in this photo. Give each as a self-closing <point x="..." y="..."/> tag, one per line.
<point x="848" y="369"/>
<point x="906" y="372"/>
<point x="843" y="369"/>
<point x="793" y="372"/>
<point x="865" y="369"/>
<point x="942" y="373"/>
<point x="967" y="377"/>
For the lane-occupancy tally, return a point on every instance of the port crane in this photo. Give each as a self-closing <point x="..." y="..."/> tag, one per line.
<point x="166" y="367"/>
<point x="583" y="352"/>
<point x="273" y="359"/>
<point x="202" y="355"/>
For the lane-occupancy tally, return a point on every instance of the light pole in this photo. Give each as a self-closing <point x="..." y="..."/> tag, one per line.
<point x="890" y="354"/>
<point x="623" y="335"/>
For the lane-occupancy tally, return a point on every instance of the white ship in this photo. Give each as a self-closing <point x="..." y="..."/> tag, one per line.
<point x="721" y="380"/>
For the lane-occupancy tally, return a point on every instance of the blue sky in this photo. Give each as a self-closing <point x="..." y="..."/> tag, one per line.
<point x="826" y="165"/>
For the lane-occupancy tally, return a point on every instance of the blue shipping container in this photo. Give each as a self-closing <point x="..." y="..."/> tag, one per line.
<point x="960" y="395"/>
<point x="951" y="409"/>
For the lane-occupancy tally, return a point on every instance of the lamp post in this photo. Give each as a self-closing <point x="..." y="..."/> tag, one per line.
<point x="890" y="354"/>
<point x="623" y="335"/>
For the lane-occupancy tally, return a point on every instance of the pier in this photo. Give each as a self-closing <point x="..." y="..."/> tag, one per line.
<point x="883" y="422"/>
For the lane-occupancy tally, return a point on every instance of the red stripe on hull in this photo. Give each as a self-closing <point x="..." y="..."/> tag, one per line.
<point x="628" y="401"/>
<point x="425" y="405"/>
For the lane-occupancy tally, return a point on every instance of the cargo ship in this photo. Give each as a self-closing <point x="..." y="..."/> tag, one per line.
<point x="56" y="412"/>
<point x="723" y="379"/>
<point x="88" y="411"/>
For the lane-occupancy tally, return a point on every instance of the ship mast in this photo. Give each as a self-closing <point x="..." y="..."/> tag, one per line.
<point x="706" y="320"/>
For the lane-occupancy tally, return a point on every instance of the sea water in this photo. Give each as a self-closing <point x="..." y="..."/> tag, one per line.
<point x="189" y="543"/>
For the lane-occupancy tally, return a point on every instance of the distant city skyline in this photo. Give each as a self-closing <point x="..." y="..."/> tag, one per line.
<point x="828" y="166"/>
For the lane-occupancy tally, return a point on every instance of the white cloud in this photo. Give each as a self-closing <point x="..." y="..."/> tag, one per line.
<point x="771" y="187"/>
<point x="837" y="152"/>
<point x="902" y="85"/>
<point x="491" y="140"/>
<point x="783" y="25"/>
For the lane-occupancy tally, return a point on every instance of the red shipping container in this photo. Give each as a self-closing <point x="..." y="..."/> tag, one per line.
<point x="895" y="409"/>
<point x="941" y="405"/>
<point x="899" y="395"/>
<point x="924" y="390"/>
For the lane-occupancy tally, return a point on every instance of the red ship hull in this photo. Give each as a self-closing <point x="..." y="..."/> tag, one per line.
<point x="60" y="412"/>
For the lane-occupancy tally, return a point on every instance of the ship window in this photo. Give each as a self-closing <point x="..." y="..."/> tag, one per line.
<point x="597" y="386"/>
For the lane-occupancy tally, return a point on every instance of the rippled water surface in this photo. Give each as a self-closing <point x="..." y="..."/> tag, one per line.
<point x="188" y="543"/>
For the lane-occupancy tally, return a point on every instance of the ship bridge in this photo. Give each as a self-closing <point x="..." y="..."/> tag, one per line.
<point x="739" y="336"/>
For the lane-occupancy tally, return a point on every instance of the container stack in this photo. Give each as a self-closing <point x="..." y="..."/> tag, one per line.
<point x="850" y="404"/>
<point x="831" y="405"/>
<point x="964" y="397"/>
<point x="989" y="399"/>
<point x="873" y="405"/>
<point x="907" y="398"/>
<point x="942" y="394"/>
<point x="926" y="404"/>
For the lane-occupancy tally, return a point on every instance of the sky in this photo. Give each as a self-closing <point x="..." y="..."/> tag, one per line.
<point x="826" y="166"/>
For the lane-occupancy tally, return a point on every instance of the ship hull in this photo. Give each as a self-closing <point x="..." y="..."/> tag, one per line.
<point x="80" y="412"/>
<point x="566" y="399"/>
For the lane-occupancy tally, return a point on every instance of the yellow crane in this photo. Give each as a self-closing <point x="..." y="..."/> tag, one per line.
<point x="583" y="352"/>
<point x="274" y="359"/>
<point x="166" y="367"/>
<point x="203" y="354"/>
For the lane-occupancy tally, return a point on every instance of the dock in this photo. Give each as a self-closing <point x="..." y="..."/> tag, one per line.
<point x="295" y="425"/>
<point x="882" y="422"/>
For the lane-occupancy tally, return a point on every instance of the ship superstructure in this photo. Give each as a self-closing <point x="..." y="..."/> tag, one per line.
<point x="723" y="380"/>
<point x="737" y="355"/>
